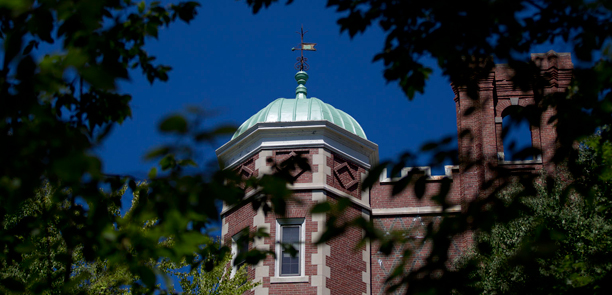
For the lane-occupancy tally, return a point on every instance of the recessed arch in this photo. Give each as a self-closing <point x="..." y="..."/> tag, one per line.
<point x="516" y="134"/>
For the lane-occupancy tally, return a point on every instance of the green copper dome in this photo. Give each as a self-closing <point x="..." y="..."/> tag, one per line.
<point x="302" y="109"/>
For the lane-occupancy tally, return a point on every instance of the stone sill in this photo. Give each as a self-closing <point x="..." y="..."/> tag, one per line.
<point x="524" y="162"/>
<point x="285" y="280"/>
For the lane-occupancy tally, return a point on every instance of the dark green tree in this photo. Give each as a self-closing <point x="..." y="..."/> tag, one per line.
<point x="571" y="256"/>
<point x="54" y="109"/>
<point x="43" y="263"/>
<point x="41" y="268"/>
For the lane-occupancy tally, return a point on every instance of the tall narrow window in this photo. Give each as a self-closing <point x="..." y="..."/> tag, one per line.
<point x="290" y="260"/>
<point x="290" y="249"/>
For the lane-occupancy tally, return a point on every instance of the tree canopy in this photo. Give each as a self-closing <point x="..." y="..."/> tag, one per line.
<point x="54" y="109"/>
<point x="575" y="259"/>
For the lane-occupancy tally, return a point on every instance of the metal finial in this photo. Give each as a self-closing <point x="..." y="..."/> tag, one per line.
<point x="301" y="64"/>
<point x="300" y="91"/>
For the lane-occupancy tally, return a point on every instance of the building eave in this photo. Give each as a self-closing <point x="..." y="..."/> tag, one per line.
<point x="300" y="134"/>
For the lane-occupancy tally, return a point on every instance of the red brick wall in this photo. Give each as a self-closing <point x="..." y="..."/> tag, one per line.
<point x="415" y="227"/>
<point x="381" y="197"/>
<point x="346" y="261"/>
<point x="480" y="147"/>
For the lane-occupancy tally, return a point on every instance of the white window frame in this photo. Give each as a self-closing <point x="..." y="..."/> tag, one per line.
<point x="301" y="277"/>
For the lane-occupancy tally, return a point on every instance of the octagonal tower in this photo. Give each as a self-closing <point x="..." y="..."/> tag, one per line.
<point x="339" y="155"/>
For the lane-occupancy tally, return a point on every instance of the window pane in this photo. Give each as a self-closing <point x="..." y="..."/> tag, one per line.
<point x="244" y="247"/>
<point x="290" y="265"/>
<point x="291" y="234"/>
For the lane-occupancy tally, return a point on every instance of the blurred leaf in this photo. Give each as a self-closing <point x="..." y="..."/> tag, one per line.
<point x="401" y="184"/>
<point x="320" y="208"/>
<point x="162" y="151"/>
<point x="374" y="175"/>
<point x="175" y="123"/>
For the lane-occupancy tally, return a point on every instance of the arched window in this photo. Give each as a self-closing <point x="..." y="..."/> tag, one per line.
<point x="516" y="135"/>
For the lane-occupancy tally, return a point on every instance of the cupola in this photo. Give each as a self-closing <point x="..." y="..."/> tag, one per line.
<point x="302" y="108"/>
<point x="299" y="122"/>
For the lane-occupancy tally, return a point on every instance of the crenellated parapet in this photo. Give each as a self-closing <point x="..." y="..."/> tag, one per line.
<point x="449" y="172"/>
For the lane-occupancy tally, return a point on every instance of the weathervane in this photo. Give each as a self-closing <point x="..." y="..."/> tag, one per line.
<point x="301" y="64"/>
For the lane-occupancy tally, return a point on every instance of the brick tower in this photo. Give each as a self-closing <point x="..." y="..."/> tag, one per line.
<point x="497" y="98"/>
<point x="340" y="155"/>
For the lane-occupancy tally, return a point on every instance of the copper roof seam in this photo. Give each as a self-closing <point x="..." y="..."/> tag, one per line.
<point x="339" y="115"/>
<point x="349" y="121"/>
<point x="295" y="104"/>
<point x="309" y="109"/>
<point x="280" y="111"/>
<point x="263" y="117"/>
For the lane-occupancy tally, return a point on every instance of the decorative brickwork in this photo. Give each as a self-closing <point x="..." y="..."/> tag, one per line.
<point x="247" y="170"/>
<point x="319" y="259"/>
<point x="301" y="176"/>
<point x="346" y="175"/>
<point x="234" y="221"/>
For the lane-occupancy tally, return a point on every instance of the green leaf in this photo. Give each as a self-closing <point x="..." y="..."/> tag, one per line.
<point x="374" y="175"/>
<point x="167" y="162"/>
<point x="162" y="151"/>
<point x="152" y="173"/>
<point x="146" y="275"/>
<point x="321" y="208"/>
<point x="187" y="162"/>
<point x="174" y="124"/>
<point x="401" y="184"/>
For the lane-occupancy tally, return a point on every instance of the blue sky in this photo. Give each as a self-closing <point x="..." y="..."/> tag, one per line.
<point x="233" y="63"/>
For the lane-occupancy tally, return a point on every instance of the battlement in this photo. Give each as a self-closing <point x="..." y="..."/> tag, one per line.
<point x="449" y="171"/>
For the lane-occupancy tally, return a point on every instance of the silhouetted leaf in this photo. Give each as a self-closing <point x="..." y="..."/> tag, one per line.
<point x="175" y="123"/>
<point x="320" y="208"/>
<point x="401" y="184"/>
<point x="373" y="175"/>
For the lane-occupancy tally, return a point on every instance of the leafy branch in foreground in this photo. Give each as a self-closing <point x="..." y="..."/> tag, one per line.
<point x="41" y="268"/>
<point x="220" y="280"/>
